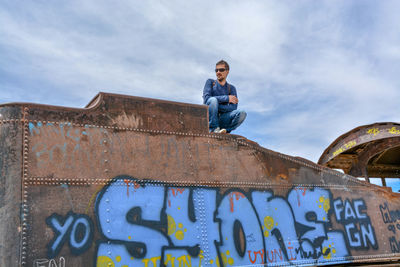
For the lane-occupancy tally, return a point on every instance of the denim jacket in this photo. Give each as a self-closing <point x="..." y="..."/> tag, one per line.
<point x="221" y="93"/>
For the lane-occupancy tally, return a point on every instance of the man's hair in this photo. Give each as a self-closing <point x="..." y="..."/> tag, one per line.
<point x="223" y="62"/>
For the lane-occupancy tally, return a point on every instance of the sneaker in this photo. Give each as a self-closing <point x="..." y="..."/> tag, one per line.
<point x="218" y="130"/>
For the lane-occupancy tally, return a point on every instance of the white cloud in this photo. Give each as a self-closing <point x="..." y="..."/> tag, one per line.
<point x="308" y="71"/>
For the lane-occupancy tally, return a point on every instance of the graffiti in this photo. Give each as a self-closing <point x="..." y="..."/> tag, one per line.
<point x="338" y="151"/>
<point x="311" y="211"/>
<point x="154" y="224"/>
<point x="373" y="131"/>
<point x="393" y="130"/>
<point x="77" y="229"/>
<point x="390" y="217"/>
<point x="68" y="149"/>
<point x="359" y="231"/>
<point x="49" y="263"/>
<point x="344" y="147"/>
<point x="271" y="255"/>
<point x="350" y="144"/>
<point x="145" y="224"/>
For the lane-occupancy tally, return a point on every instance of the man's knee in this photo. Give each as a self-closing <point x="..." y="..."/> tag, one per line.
<point x="212" y="101"/>
<point x="242" y="115"/>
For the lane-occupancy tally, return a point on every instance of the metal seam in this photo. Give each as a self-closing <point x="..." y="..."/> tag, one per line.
<point x="24" y="184"/>
<point x="82" y="181"/>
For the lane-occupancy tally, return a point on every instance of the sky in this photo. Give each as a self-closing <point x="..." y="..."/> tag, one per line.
<point x="306" y="72"/>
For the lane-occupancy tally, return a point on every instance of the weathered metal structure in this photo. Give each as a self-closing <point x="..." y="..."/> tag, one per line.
<point x="130" y="181"/>
<point x="366" y="151"/>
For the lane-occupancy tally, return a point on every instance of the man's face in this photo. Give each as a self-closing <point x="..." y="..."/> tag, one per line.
<point x="221" y="72"/>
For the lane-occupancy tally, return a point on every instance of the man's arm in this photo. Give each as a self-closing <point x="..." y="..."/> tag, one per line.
<point x="207" y="93"/>
<point x="233" y="100"/>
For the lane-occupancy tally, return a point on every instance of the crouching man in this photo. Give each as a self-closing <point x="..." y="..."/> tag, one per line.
<point x="221" y="99"/>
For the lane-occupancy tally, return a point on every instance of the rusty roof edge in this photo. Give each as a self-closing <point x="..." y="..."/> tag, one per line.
<point x="322" y="160"/>
<point x="94" y="103"/>
<point x="102" y="95"/>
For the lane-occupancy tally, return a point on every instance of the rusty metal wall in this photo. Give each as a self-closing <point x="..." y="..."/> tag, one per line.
<point x="11" y="205"/>
<point x="140" y="182"/>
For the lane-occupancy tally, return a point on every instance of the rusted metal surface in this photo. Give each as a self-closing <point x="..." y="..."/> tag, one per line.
<point x="368" y="151"/>
<point x="140" y="182"/>
<point x="11" y="203"/>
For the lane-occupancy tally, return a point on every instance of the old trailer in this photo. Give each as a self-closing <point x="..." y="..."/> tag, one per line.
<point x="131" y="181"/>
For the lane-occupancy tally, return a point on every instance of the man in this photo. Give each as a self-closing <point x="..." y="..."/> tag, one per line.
<point x="221" y="99"/>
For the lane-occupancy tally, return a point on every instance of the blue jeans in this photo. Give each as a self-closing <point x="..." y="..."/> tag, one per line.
<point x="227" y="120"/>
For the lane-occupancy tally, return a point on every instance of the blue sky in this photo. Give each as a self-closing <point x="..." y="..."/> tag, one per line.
<point x="306" y="71"/>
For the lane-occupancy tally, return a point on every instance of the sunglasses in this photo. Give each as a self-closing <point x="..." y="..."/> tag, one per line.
<point x="220" y="70"/>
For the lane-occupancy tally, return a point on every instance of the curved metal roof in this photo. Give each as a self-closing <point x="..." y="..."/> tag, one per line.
<point x="370" y="151"/>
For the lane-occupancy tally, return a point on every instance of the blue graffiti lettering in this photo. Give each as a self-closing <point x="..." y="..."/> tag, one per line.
<point x="147" y="224"/>
<point x="359" y="231"/>
<point x="77" y="228"/>
<point x="131" y="219"/>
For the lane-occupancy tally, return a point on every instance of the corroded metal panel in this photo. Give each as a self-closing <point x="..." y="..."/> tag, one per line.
<point x="103" y="190"/>
<point x="11" y="205"/>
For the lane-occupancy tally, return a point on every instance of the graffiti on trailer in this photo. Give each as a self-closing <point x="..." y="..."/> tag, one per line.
<point x="77" y="229"/>
<point x="151" y="224"/>
<point x="69" y="148"/>
<point x="392" y="219"/>
<point x="49" y="263"/>
<point x="359" y="231"/>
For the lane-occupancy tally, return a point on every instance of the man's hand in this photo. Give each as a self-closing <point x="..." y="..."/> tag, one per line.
<point x="233" y="99"/>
